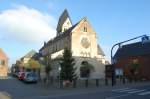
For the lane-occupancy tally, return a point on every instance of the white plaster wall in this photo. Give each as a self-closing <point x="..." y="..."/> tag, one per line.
<point x="66" y="25"/>
<point x="57" y="54"/>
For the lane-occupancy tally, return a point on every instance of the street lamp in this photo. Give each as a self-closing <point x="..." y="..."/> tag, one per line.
<point x="59" y="68"/>
<point x="112" y="58"/>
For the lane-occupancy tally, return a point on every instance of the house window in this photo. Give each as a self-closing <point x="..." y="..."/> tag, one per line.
<point x="2" y="62"/>
<point x="119" y="72"/>
<point x="85" y="29"/>
<point x="135" y="61"/>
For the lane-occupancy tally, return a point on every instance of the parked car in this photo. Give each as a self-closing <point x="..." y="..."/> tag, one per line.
<point x="15" y="74"/>
<point x="30" y="77"/>
<point x="21" y="75"/>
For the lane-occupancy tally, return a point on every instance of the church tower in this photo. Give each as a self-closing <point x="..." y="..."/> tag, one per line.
<point x="64" y="23"/>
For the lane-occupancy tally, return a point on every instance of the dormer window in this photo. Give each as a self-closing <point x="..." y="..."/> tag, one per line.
<point x="85" y="29"/>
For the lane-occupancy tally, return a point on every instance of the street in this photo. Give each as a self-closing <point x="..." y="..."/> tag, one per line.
<point x="15" y="89"/>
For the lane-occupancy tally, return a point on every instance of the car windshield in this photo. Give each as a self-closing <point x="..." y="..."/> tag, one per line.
<point x="31" y="75"/>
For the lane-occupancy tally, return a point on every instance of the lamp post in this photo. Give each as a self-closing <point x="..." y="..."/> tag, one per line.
<point x="112" y="58"/>
<point x="59" y="68"/>
<point x="41" y="59"/>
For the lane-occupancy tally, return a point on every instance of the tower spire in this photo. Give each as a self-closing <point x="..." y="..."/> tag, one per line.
<point x="64" y="22"/>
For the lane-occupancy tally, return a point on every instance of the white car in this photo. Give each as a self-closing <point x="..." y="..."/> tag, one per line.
<point x="30" y="77"/>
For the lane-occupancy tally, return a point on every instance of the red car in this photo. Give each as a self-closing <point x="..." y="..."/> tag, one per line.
<point x="21" y="75"/>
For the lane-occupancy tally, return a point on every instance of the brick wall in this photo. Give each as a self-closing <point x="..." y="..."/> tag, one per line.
<point x="127" y="64"/>
<point x="3" y="64"/>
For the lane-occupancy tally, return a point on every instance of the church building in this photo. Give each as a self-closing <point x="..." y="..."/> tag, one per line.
<point x="81" y="39"/>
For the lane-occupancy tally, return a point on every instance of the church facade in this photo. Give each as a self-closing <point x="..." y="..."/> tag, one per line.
<point x="81" y="39"/>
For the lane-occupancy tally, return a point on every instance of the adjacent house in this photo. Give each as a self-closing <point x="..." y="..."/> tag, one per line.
<point x="28" y="56"/>
<point x="133" y="60"/>
<point x="3" y="64"/>
<point x="24" y="60"/>
<point x="81" y="39"/>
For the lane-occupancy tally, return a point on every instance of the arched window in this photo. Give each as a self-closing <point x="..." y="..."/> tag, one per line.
<point x="85" y="69"/>
<point x="84" y="29"/>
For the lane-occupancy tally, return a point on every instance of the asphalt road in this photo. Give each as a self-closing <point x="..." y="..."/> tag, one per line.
<point x="14" y="89"/>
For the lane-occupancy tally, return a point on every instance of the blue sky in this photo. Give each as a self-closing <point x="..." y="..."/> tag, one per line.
<point x="113" y="21"/>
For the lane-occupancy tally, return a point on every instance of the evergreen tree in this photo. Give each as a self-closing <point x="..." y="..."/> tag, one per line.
<point x="67" y="66"/>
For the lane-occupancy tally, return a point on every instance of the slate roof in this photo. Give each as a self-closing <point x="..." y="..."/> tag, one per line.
<point x="134" y="49"/>
<point x="37" y="56"/>
<point x="64" y="34"/>
<point x="100" y="51"/>
<point x="30" y="54"/>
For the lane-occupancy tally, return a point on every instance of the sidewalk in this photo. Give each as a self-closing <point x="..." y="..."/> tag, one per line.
<point x="4" y="95"/>
<point x="102" y="87"/>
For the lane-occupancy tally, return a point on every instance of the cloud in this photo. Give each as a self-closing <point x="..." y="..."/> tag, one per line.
<point x="27" y="25"/>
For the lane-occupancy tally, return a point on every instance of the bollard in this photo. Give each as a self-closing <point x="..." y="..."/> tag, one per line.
<point x="106" y="81"/>
<point x="86" y="83"/>
<point x="74" y="83"/>
<point x="97" y="82"/>
<point x="123" y="80"/>
<point x="60" y="84"/>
